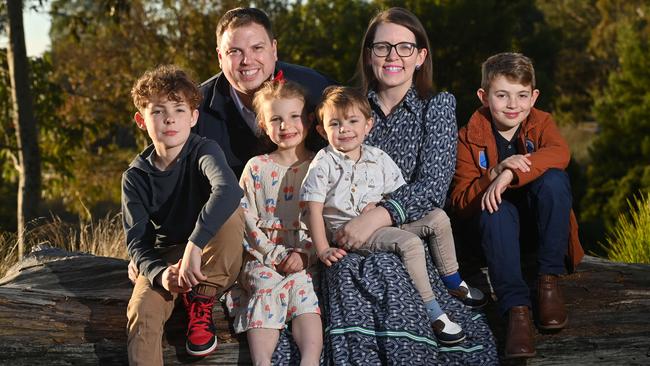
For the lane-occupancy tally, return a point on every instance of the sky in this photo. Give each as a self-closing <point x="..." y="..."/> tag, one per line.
<point x="37" y="29"/>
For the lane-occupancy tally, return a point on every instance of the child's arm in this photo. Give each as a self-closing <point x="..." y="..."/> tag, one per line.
<point x="314" y="193"/>
<point x="224" y="199"/>
<point x="491" y="199"/>
<point x="514" y="162"/>
<point x="316" y="225"/>
<point x="470" y="180"/>
<point x="256" y="242"/>
<point x="189" y="273"/>
<point x="294" y="262"/>
<point x="225" y="195"/>
<point x="138" y="229"/>
<point x="552" y="151"/>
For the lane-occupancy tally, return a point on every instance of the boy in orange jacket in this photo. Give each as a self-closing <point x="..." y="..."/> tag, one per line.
<point x="510" y="167"/>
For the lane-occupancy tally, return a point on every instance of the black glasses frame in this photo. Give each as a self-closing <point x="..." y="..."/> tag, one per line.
<point x="391" y="46"/>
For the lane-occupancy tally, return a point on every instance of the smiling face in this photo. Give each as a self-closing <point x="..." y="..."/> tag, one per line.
<point x="394" y="71"/>
<point x="247" y="57"/>
<point x="284" y="122"/>
<point x="345" y="130"/>
<point x="509" y="101"/>
<point x="168" y="123"/>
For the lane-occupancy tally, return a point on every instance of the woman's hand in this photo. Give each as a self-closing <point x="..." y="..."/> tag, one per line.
<point x="355" y="233"/>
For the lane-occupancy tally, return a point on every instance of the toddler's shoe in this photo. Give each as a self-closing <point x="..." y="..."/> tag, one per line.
<point x="201" y="332"/>
<point x="470" y="296"/>
<point x="447" y="332"/>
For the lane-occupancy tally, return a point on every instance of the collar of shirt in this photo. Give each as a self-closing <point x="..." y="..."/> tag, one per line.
<point x="248" y="115"/>
<point x="506" y="148"/>
<point x="368" y="155"/>
<point x="411" y="100"/>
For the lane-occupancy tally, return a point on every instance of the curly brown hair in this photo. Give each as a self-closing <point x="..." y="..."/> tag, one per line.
<point x="166" y="80"/>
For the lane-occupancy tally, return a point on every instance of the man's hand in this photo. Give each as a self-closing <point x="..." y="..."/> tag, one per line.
<point x="514" y="162"/>
<point x="330" y="256"/>
<point x="168" y="279"/>
<point x="133" y="271"/>
<point x="492" y="197"/>
<point x="294" y="262"/>
<point x="189" y="274"/>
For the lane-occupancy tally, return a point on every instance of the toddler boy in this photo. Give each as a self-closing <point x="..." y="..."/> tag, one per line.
<point x="347" y="178"/>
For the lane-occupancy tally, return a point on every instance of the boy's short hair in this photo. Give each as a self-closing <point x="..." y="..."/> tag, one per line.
<point x="276" y="89"/>
<point x="343" y="98"/>
<point x="514" y="66"/>
<point x="239" y="17"/>
<point x="166" y="80"/>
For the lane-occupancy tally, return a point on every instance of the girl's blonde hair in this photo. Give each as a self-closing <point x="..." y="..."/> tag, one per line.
<point x="276" y="89"/>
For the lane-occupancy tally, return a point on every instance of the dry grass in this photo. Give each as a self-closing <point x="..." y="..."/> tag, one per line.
<point x="104" y="237"/>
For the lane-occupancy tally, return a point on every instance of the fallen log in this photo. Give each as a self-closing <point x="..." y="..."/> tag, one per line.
<point x="60" y="308"/>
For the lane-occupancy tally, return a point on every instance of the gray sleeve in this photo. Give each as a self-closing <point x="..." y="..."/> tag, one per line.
<point x="138" y="229"/>
<point x="224" y="198"/>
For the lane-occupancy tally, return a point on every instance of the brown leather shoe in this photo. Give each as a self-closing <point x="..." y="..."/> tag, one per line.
<point x="552" y="311"/>
<point x="520" y="342"/>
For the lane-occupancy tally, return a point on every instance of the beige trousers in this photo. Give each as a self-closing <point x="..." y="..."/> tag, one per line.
<point x="406" y="241"/>
<point x="151" y="306"/>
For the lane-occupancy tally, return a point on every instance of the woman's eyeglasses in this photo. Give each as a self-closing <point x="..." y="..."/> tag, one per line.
<point x="403" y="49"/>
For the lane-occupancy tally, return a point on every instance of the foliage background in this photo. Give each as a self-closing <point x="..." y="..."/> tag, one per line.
<point x="591" y="59"/>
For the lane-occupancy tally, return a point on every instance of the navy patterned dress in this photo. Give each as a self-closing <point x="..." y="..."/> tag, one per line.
<point x="372" y="312"/>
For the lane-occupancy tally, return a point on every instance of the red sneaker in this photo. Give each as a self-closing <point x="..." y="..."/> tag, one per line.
<point x="201" y="332"/>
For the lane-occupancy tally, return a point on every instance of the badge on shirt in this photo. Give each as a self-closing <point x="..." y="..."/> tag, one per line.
<point x="530" y="146"/>
<point x="482" y="159"/>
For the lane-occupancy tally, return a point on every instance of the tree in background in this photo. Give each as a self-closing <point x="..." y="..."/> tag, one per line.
<point x="100" y="47"/>
<point x="26" y="154"/>
<point x="578" y="72"/>
<point x="621" y="153"/>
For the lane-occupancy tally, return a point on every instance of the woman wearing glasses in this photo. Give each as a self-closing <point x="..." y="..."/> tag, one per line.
<point x="374" y="314"/>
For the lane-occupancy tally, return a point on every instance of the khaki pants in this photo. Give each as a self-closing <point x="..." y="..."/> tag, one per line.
<point x="151" y="306"/>
<point x="406" y="241"/>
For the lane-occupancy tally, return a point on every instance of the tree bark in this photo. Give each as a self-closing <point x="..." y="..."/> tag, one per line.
<point x="29" y="158"/>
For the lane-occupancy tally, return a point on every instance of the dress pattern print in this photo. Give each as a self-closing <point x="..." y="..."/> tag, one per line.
<point x="265" y="298"/>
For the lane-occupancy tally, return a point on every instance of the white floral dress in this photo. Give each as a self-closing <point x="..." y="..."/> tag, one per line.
<point x="275" y="227"/>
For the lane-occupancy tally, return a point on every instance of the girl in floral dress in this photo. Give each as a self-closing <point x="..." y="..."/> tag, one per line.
<point x="275" y="285"/>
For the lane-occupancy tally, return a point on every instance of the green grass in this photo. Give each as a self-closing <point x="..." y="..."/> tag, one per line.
<point x="629" y="240"/>
<point x="104" y="237"/>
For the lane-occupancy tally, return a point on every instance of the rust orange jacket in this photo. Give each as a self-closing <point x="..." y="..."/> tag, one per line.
<point x="478" y="155"/>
